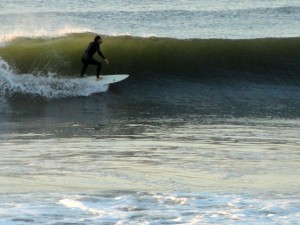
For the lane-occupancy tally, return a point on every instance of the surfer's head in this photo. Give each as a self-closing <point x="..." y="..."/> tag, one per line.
<point x="98" y="39"/>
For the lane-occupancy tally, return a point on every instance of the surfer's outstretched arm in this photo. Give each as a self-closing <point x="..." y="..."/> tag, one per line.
<point x="102" y="56"/>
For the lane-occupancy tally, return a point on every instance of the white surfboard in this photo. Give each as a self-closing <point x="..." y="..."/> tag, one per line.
<point x="106" y="79"/>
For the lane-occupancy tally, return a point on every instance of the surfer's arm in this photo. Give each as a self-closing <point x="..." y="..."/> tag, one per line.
<point x="101" y="55"/>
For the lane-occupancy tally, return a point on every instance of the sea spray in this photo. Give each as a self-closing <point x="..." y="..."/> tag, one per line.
<point x="47" y="86"/>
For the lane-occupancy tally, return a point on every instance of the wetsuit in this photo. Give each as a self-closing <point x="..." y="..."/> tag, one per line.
<point x="87" y="58"/>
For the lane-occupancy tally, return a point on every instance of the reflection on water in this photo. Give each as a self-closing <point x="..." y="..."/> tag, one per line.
<point x="156" y="155"/>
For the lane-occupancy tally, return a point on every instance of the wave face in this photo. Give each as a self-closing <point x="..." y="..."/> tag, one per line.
<point x="268" y="60"/>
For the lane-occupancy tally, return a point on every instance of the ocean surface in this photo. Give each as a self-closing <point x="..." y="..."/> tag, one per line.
<point x="206" y="130"/>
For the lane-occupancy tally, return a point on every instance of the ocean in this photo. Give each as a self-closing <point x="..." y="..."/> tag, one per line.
<point x="206" y="130"/>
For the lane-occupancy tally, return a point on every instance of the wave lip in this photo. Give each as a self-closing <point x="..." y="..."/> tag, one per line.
<point x="34" y="33"/>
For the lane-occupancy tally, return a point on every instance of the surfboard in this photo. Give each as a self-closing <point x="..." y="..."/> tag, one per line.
<point x="106" y="79"/>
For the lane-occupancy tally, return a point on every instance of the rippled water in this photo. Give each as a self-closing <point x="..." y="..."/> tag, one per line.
<point x="167" y="149"/>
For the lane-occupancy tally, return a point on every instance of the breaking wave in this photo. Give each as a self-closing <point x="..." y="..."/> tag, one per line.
<point x="275" y="60"/>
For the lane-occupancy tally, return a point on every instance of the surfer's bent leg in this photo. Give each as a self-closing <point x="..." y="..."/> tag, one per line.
<point x="85" y="65"/>
<point x="98" y="64"/>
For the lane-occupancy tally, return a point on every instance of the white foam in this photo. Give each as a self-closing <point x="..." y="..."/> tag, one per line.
<point x="46" y="86"/>
<point x="151" y="208"/>
<point x="70" y="203"/>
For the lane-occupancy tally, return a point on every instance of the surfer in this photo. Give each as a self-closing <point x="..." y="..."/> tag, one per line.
<point x="88" y="58"/>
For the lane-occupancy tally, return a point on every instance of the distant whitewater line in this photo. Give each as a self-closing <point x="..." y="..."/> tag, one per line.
<point x="175" y="19"/>
<point x="257" y="60"/>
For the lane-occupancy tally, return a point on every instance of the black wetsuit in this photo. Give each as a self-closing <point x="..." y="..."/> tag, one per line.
<point x="87" y="57"/>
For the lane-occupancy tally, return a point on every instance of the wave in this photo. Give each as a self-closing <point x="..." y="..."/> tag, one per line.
<point x="268" y="60"/>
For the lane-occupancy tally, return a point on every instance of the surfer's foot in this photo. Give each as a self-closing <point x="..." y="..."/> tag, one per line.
<point x="99" y="78"/>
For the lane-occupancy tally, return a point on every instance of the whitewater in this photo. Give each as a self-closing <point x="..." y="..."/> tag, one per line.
<point x="204" y="131"/>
